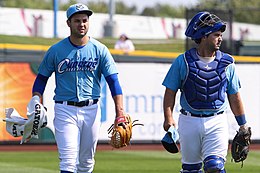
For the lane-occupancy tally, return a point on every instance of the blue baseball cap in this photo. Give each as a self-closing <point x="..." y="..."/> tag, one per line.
<point x="76" y="8"/>
<point x="169" y="140"/>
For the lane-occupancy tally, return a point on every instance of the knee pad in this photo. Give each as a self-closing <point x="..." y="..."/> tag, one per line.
<point x="191" y="168"/>
<point x="214" y="164"/>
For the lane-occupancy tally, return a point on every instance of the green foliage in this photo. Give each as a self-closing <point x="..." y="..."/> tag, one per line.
<point x="121" y="8"/>
<point x="98" y="7"/>
<point x="164" y="10"/>
<point x="169" y="11"/>
<point x="149" y="11"/>
<point x="244" y="11"/>
<point x="65" y="6"/>
<point x="103" y="7"/>
<point x="34" y="4"/>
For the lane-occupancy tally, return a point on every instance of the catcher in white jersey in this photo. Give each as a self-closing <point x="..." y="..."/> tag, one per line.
<point x="208" y="83"/>
<point x="78" y="62"/>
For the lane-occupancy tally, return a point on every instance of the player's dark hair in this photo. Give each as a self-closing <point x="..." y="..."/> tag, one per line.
<point x="197" y="41"/>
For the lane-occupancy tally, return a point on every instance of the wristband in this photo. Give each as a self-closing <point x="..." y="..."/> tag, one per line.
<point x="241" y="119"/>
<point x="120" y="119"/>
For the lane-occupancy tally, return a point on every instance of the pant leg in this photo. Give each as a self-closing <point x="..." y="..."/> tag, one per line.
<point x="216" y="136"/>
<point x="190" y="130"/>
<point x="67" y="136"/>
<point x="91" y="121"/>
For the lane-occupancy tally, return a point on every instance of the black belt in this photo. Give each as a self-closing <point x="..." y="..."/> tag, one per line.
<point x="199" y="115"/>
<point x="79" y="104"/>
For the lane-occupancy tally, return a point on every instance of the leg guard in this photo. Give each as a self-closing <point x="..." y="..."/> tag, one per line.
<point x="191" y="168"/>
<point x="214" y="164"/>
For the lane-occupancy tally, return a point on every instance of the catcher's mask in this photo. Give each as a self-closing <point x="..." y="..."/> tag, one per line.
<point x="204" y="23"/>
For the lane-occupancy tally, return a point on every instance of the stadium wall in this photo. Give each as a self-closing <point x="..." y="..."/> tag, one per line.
<point x="35" y="22"/>
<point x="141" y="74"/>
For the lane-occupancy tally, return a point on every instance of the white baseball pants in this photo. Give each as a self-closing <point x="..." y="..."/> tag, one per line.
<point x="202" y="137"/>
<point x="76" y="134"/>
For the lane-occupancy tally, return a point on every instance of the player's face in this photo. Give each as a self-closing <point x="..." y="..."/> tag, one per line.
<point x="214" y="40"/>
<point x="79" y="25"/>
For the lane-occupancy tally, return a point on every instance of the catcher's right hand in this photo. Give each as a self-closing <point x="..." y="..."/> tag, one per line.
<point x="169" y="140"/>
<point x="240" y="144"/>
<point x="121" y="131"/>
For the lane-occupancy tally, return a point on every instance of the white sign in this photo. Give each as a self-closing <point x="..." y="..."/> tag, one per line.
<point x="143" y="99"/>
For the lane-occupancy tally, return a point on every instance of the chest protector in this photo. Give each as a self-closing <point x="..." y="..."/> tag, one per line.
<point x="205" y="84"/>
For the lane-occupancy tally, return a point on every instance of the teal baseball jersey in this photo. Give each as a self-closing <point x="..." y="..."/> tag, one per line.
<point x="78" y="69"/>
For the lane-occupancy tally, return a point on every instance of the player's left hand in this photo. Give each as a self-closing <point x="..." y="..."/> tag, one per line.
<point x="240" y="144"/>
<point x="121" y="131"/>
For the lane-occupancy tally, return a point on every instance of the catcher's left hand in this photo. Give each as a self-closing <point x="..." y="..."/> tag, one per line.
<point x="240" y="144"/>
<point x="121" y="131"/>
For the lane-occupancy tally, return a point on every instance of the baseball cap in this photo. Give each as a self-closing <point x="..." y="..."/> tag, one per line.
<point x="169" y="140"/>
<point x="169" y="144"/>
<point x="124" y="35"/>
<point x="76" y="8"/>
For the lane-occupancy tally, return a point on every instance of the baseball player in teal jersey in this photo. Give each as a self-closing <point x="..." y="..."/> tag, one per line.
<point x="78" y="63"/>
<point x="208" y="82"/>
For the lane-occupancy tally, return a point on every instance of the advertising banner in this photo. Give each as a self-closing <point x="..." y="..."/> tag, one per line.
<point x="16" y="82"/>
<point x="143" y="99"/>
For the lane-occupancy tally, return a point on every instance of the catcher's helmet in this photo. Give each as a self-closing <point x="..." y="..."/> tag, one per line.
<point x="204" y="23"/>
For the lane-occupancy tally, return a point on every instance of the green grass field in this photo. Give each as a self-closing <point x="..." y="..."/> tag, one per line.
<point x="115" y="161"/>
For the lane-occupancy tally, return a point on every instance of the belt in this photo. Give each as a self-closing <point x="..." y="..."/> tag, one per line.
<point x="79" y="104"/>
<point x="199" y="115"/>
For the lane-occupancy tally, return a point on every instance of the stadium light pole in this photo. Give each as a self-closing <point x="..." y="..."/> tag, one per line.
<point x="112" y="10"/>
<point x="109" y="27"/>
<point x="55" y="10"/>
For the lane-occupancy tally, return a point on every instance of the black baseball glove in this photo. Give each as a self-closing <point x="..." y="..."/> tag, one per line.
<point x="240" y="145"/>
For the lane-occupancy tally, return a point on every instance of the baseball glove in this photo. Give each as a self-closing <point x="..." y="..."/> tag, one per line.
<point x="121" y="131"/>
<point x="240" y="145"/>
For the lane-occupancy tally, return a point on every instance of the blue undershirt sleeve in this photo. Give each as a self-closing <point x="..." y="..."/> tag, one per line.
<point x="114" y="85"/>
<point x="40" y="84"/>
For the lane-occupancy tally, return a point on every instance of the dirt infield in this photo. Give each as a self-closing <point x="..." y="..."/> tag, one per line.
<point x="100" y="147"/>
